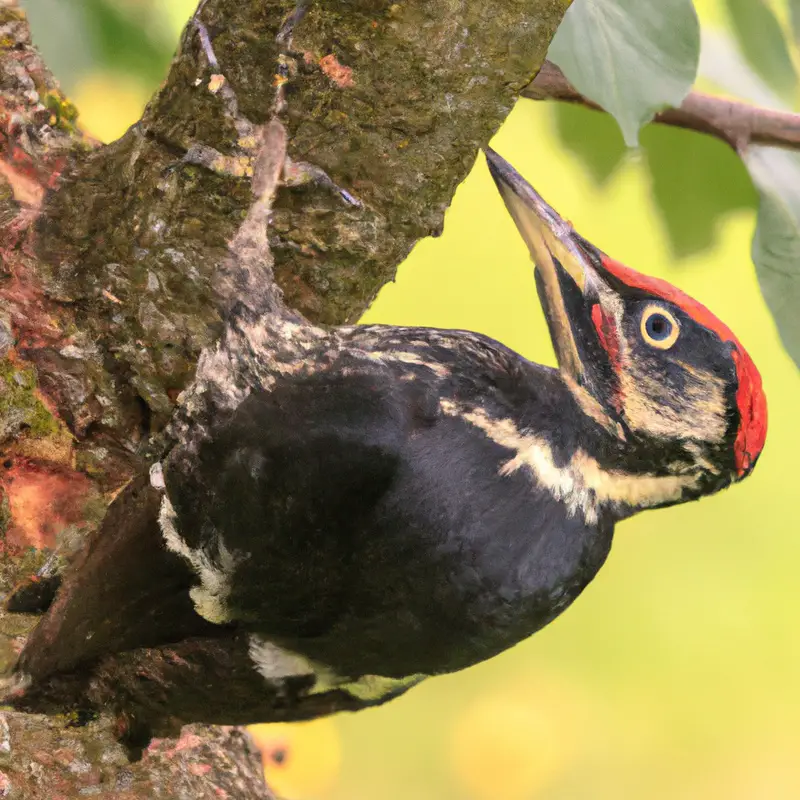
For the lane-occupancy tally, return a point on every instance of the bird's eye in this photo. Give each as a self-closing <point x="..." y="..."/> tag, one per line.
<point x="659" y="328"/>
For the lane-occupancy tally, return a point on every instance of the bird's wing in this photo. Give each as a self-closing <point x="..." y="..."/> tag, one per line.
<point x="278" y="486"/>
<point x="267" y="508"/>
<point x="124" y="590"/>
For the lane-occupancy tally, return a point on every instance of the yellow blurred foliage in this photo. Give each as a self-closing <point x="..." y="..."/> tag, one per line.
<point x="508" y="745"/>
<point x="109" y="103"/>
<point x="301" y="761"/>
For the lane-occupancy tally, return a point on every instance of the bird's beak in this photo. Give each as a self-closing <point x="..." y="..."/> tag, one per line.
<point x="563" y="265"/>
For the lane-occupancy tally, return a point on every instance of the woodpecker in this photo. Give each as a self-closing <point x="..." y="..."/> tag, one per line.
<point x="346" y="511"/>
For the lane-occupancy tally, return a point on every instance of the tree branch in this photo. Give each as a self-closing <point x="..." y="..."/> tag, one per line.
<point x="735" y="123"/>
<point x="116" y="268"/>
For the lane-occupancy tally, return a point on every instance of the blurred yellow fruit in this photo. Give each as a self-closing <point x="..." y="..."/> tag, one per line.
<point x="302" y="760"/>
<point x="109" y="103"/>
<point x="509" y="746"/>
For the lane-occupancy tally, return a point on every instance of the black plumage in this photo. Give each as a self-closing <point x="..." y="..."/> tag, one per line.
<point x="345" y="511"/>
<point x="378" y="520"/>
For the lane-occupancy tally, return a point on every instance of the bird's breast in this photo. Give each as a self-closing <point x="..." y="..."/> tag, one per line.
<point x="458" y="561"/>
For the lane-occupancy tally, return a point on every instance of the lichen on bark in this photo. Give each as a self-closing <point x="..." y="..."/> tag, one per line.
<point x="109" y="256"/>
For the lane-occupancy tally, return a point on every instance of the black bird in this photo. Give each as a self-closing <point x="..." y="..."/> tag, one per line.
<point x="347" y="511"/>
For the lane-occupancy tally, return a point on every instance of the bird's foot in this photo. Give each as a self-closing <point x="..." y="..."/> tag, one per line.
<point x="242" y="162"/>
<point x="301" y="173"/>
<point x="240" y="165"/>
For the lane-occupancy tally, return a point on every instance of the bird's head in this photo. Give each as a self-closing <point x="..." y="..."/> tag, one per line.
<point x="648" y="362"/>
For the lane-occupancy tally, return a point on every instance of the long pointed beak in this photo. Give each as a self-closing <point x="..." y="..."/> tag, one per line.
<point x="556" y="253"/>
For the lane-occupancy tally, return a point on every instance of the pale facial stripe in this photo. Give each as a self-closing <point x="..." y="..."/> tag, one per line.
<point x="582" y="485"/>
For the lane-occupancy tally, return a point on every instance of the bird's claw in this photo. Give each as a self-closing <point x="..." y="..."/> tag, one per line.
<point x="300" y="173"/>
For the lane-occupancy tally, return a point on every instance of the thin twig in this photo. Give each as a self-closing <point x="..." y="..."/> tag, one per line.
<point x="735" y="123"/>
<point x="205" y="41"/>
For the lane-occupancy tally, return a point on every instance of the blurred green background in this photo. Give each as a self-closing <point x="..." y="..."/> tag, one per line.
<point x="675" y="674"/>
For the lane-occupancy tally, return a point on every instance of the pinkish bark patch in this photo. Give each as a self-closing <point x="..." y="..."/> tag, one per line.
<point x="341" y="75"/>
<point x="43" y="500"/>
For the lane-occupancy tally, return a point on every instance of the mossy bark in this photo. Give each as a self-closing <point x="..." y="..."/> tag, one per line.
<point x="109" y="254"/>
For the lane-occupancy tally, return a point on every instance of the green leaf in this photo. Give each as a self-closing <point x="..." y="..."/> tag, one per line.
<point x="59" y="32"/>
<point x="763" y="44"/>
<point x="79" y="37"/>
<point x="696" y="182"/>
<point x="632" y="57"/>
<point x="776" y="244"/>
<point x="776" y="175"/>
<point x="722" y="63"/>
<point x="794" y="16"/>
<point x="122" y="41"/>
<point x="592" y="137"/>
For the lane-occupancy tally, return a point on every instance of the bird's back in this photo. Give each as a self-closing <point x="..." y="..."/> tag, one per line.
<point x="372" y="529"/>
<point x="355" y="506"/>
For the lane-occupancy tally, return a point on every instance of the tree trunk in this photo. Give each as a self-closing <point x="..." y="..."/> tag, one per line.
<point x="111" y="257"/>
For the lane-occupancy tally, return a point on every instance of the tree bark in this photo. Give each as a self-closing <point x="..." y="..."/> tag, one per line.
<point x="110" y="260"/>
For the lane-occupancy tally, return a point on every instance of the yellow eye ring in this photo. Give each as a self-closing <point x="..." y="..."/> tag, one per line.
<point x="659" y="328"/>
